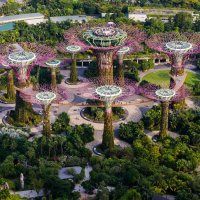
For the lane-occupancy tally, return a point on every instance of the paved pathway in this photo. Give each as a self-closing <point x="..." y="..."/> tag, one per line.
<point x="135" y="108"/>
<point x="29" y="194"/>
<point x="64" y="174"/>
<point x="152" y="133"/>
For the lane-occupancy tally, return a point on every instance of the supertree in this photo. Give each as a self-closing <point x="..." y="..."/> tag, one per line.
<point x="10" y="95"/>
<point x="107" y="94"/>
<point x="73" y="50"/>
<point x="24" y="57"/>
<point x="120" y="55"/>
<point x="165" y="95"/>
<point x="178" y="46"/>
<point x="53" y="65"/>
<point x="105" y="41"/>
<point x="44" y="96"/>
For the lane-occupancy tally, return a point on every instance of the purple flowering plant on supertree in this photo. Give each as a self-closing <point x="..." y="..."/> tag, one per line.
<point x="105" y="40"/>
<point x="44" y="95"/>
<point x="108" y="94"/>
<point x="22" y="57"/>
<point x="179" y="47"/>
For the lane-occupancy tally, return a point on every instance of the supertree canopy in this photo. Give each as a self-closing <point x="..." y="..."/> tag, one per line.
<point x="178" y="46"/>
<point x="105" y="41"/>
<point x="104" y="36"/>
<point x="20" y="61"/>
<point x="22" y="58"/>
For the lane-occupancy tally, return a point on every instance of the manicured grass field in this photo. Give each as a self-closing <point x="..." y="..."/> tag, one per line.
<point x="162" y="78"/>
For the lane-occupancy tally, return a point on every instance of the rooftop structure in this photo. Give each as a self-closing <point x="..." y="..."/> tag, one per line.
<point x="141" y="14"/>
<point x="31" y="18"/>
<point x="73" y="18"/>
<point x="7" y="27"/>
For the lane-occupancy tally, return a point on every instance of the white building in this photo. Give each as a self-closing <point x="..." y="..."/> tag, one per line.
<point x="72" y="18"/>
<point x="31" y="18"/>
<point x="141" y="14"/>
<point x="138" y="17"/>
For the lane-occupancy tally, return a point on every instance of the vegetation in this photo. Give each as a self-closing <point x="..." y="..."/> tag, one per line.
<point x="154" y="168"/>
<point x="97" y="113"/>
<point x="44" y="157"/>
<point x="49" y="32"/>
<point x="162" y="78"/>
<point x="189" y="130"/>
<point x="137" y="172"/>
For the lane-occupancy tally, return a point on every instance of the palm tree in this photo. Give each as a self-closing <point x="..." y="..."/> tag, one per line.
<point x="61" y="140"/>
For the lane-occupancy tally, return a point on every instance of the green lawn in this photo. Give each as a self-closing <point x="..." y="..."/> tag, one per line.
<point x="162" y="78"/>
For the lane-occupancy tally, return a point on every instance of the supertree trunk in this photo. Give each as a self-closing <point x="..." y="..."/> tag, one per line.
<point x="164" y="118"/>
<point x="181" y="102"/>
<point x="74" y="72"/>
<point x="108" y="133"/>
<point x="121" y="70"/>
<point x="53" y="78"/>
<point x="104" y="62"/>
<point x="46" y="121"/>
<point x="10" y="85"/>
<point x="23" y="110"/>
<point x="177" y="69"/>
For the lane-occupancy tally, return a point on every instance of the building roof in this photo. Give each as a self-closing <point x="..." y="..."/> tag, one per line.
<point x="14" y="18"/>
<point x="78" y="18"/>
<point x="163" y="11"/>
